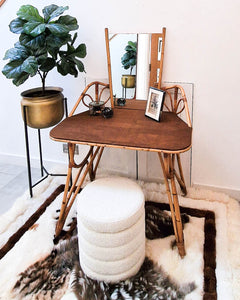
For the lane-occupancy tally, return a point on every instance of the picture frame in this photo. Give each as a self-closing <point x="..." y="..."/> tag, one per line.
<point x="155" y="103"/>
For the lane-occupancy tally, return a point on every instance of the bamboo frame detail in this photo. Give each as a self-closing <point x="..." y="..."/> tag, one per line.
<point x="176" y="95"/>
<point x="85" y="167"/>
<point x="98" y="95"/>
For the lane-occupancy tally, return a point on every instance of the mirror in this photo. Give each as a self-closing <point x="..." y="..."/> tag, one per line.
<point x="135" y="62"/>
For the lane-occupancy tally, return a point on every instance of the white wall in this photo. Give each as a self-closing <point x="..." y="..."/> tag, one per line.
<point x="202" y="46"/>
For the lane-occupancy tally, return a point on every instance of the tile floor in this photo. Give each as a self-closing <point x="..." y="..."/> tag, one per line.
<point x="13" y="183"/>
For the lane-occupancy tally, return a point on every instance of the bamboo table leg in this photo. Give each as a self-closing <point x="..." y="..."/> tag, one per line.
<point x="169" y="172"/>
<point x="85" y="167"/>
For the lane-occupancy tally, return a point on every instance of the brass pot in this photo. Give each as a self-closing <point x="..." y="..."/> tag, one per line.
<point x="128" y="81"/>
<point x="43" y="111"/>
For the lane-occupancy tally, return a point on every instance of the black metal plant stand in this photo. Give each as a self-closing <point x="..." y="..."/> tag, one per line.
<point x="44" y="172"/>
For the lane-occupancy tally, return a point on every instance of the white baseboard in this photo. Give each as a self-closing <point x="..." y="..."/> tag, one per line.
<point x="230" y="192"/>
<point x="22" y="161"/>
<point x="12" y="159"/>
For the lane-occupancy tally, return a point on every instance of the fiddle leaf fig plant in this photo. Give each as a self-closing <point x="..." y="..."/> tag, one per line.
<point x="129" y="58"/>
<point x="44" y="43"/>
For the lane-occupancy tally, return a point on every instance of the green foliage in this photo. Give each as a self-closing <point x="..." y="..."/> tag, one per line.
<point x="44" y="43"/>
<point x="129" y="58"/>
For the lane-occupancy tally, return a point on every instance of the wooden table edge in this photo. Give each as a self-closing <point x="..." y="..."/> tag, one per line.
<point x="123" y="147"/>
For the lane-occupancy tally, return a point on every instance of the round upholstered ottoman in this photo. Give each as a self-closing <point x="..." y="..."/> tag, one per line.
<point x="111" y="229"/>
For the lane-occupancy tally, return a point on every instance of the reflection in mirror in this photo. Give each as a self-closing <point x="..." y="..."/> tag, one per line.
<point x="138" y="55"/>
<point x="122" y="84"/>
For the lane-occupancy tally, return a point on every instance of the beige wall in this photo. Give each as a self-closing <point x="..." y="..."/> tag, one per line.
<point x="202" y="47"/>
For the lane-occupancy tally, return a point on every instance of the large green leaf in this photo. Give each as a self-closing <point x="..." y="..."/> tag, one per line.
<point x="29" y="13"/>
<point x="63" y="67"/>
<point x="81" y="51"/>
<point x="125" y="57"/>
<point x="52" y="11"/>
<point x="73" y="70"/>
<point x="34" y="28"/>
<point x="53" y="52"/>
<point x="71" y="52"/>
<point x="20" y="79"/>
<point x="16" y="53"/>
<point x="68" y="21"/>
<point x="34" y="43"/>
<point x="58" y="29"/>
<point x="66" y="66"/>
<point x="79" y="64"/>
<point x="30" y="65"/>
<point x="16" y="26"/>
<point x="132" y="61"/>
<point x="54" y="41"/>
<point x="47" y="64"/>
<point x="13" y="69"/>
<point x="132" y="46"/>
<point x="42" y="56"/>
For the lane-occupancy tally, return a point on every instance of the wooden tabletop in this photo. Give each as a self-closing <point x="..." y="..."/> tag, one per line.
<point x="128" y="128"/>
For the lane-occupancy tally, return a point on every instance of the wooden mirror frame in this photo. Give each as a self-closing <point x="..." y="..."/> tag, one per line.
<point x="156" y="66"/>
<point x="1" y="2"/>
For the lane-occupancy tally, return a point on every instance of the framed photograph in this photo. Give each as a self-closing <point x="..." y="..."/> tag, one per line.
<point x="155" y="103"/>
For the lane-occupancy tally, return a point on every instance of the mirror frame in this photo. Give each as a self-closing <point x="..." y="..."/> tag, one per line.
<point x="156" y="63"/>
<point x="1" y="2"/>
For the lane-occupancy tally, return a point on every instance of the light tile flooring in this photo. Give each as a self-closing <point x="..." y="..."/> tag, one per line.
<point x="13" y="183"/>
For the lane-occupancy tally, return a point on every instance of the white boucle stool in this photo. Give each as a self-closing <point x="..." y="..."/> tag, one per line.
<point x="111" y="229"/>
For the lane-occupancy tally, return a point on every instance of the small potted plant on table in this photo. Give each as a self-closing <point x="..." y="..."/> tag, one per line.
<point x="44" y="43"/>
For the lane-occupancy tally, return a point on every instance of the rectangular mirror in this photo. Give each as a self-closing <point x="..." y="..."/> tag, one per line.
<point x="135" y="62"/>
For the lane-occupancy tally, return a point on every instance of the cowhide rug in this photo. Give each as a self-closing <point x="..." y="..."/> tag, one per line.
<point x="32" y="267"/>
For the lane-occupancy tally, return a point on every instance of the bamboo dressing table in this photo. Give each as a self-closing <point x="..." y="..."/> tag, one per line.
<point x="129" y="128"/>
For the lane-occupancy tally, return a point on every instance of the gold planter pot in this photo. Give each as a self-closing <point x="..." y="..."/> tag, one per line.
<point x="43" y="111"/>
<point x="128" y="81"/>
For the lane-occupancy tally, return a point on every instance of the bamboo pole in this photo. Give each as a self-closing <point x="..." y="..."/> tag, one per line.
<point x="96" y="93"/>
<point x="173" y="201"/>
<point x="182" y="181"/>
<point x="179" y="239"/>
<point x="161" y="60"/>
<point x="98" y="160"/>
<point x="109" y="66"/>
<point x="169" y="195"/>
<point x="60" y="222"/>
<point x="1" y="2"/>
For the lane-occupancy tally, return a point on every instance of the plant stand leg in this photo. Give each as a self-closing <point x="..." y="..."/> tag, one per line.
<point x="27" y="151"/>
<point x="40" y="153"/>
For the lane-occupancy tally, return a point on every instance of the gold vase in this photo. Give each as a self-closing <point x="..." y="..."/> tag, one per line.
<point x="128" y="81"/>
<point x="43" y="111"/>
